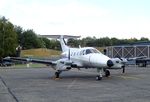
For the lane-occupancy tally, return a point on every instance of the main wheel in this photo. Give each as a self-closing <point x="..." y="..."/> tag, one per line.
<point x="57" y="74"/>
<point x="98" y="78"/>
<point x="107" y="73"/>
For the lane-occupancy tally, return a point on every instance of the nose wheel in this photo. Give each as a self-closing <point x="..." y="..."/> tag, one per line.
<point x="107" y="73"/>
<point x="100" y="76"/>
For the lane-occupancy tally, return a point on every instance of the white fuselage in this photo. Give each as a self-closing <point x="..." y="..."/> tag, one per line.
<point x="89" y="57"/>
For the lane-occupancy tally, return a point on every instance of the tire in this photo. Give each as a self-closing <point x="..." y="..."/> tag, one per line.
<point x="98" y="78"/>
<point x="107" y="73"/>
<point x="57" y="74"/>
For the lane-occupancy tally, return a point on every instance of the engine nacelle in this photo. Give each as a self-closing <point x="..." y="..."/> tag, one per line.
<point x="63" y="64"/>
<point x="62" y="67"/>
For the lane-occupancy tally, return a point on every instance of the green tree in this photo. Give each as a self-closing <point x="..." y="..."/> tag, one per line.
<point x="89" y="41"/>
<point x="47" y="43"/>
<point x="8" y="38"/>
<point x="55" y="45"/>
<point x="144" y="39"/>
<point x="114" y="41"/>
<point x="40" y="43"/>
<point x="73" y="42"/>
<point x="30" y="40"/>
<point x="19" y="31"/>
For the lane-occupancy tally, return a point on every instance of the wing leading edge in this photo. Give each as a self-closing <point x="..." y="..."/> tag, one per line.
<point x="48" y="62"/>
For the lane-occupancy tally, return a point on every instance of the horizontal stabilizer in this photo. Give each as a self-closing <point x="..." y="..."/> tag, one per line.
<point x="59" y="36"/>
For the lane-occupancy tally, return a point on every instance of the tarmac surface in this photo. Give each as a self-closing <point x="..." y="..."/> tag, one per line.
<point x="38" y="85"/>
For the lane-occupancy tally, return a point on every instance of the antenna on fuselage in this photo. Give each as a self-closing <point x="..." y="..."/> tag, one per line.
<point x="79" y="46"/>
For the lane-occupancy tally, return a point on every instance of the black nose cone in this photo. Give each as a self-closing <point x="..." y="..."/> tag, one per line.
<point x="110" y="63"/>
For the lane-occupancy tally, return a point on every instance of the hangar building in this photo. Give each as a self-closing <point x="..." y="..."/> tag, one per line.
<point x="129" y="51"/>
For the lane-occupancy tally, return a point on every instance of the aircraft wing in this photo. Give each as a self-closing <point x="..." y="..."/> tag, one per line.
<point x="61" y="64"/>
<point x="48" y="62"/>
<point x="64" y="61"/>
<point x="135" y="58"/>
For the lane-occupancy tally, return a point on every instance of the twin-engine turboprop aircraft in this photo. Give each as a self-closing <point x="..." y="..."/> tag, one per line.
<point x="82" y="57"/>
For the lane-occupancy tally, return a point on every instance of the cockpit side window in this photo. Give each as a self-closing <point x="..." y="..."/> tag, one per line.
<point x="88" y="51"/>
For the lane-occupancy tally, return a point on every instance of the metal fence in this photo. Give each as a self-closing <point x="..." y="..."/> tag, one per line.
<point x="128" y="51"/>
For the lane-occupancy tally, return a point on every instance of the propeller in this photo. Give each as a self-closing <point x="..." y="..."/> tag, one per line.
<point x="123" y="60"/>
<point x="69" y="54"/>
<point x="123" y="69"/>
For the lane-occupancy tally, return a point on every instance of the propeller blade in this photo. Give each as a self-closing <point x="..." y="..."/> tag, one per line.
<point x="123" y="69"/>
<point x="69" y="54"/>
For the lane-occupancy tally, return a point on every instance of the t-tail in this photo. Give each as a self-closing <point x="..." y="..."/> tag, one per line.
<point x="61" y="38"/>
<point x="64" y="46"/>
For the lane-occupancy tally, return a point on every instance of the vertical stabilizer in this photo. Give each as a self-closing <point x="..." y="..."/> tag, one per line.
<point x="64" y="46"/>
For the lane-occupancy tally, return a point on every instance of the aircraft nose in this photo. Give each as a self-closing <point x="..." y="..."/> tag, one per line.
<point x="110" y="63"/>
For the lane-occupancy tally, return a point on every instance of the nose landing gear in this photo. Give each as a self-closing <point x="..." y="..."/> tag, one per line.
<point x="107" y="73"/>
<point x="100" y="76"/>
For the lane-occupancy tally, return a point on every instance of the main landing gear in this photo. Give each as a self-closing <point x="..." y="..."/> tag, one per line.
<point x="100" y="76"/>
<point x="57" y="74"/>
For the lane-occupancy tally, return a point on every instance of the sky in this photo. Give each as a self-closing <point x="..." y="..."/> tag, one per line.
<point x="99" y="18"/>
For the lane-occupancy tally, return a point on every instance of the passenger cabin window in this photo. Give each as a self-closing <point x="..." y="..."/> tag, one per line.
<point x="84" y="52"/>
<point x="74" y="54"/>
<point x="78" y="53"/>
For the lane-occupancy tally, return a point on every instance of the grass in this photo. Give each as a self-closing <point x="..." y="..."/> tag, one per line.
<point x="37" y="53"/>
<point x="42" y="52"/>
<point x="45" y="53"/>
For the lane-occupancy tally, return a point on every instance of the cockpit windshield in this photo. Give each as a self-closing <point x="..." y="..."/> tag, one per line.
<point x="95" y="51"/>
<point x="88" y="51"/>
